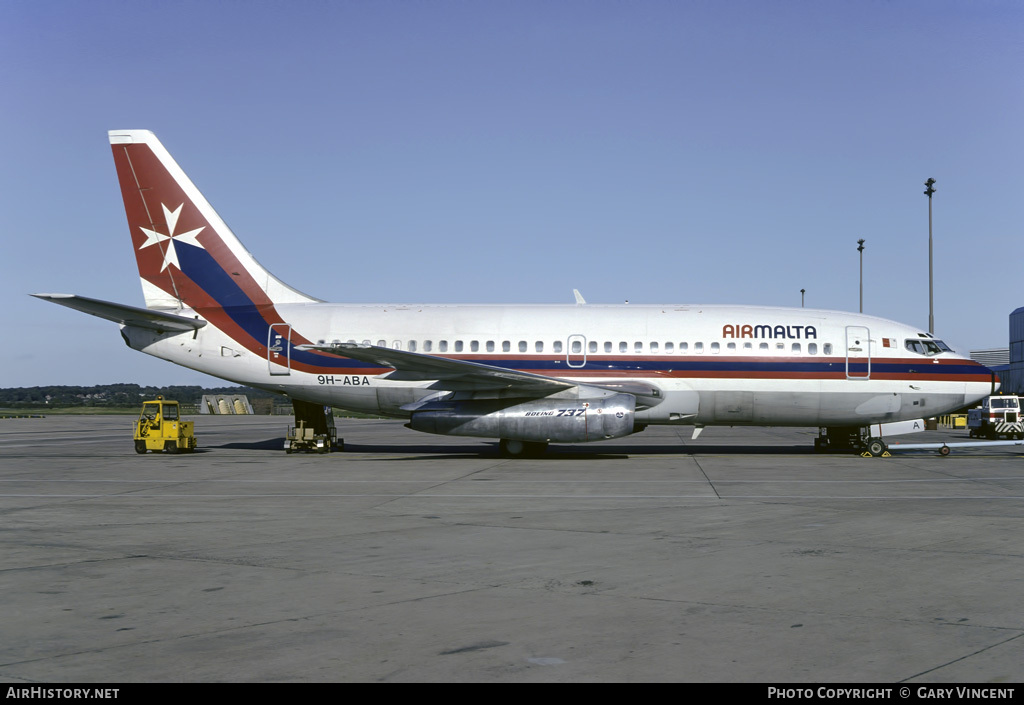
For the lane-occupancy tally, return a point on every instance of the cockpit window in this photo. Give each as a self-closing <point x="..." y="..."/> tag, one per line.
<point x="927" y="346"/>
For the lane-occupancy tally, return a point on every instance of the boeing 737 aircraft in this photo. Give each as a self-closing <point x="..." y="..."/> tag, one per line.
<point x="525" y="374"/>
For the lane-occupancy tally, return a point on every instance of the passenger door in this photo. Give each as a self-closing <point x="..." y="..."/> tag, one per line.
<point x="858" y="352"/>
<point x="279" y="349"/>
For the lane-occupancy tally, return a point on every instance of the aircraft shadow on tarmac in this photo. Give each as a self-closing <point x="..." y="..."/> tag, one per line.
<point x="554" y="452"/>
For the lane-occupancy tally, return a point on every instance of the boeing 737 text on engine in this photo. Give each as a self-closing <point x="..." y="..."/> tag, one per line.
<point x="525" y="374"/>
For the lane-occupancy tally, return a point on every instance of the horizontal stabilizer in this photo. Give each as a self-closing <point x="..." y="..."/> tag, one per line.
<point x="125" y="315"/>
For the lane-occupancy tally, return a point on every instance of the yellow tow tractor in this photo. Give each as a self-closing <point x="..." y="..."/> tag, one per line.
<point x="160" y="428"/>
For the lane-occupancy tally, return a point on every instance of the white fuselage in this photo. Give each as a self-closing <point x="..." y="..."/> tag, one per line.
<point x="712" y="364"/>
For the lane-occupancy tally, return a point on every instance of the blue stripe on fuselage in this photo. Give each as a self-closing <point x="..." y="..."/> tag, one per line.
<point x="200" y="266"/>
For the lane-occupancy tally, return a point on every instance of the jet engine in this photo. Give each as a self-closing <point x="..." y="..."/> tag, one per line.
<point x="538" y="420"/>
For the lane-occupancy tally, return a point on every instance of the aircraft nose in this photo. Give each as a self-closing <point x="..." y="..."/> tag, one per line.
<point x="982" y="382"/>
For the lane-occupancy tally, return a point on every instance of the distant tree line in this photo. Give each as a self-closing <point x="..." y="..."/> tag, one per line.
<point x="118" y="395"/>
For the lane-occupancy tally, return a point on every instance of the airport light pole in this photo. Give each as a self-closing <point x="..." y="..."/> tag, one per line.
<point x="860" y="249"/>
<point x="802" y="297"/>
<point x="931" y="289"/>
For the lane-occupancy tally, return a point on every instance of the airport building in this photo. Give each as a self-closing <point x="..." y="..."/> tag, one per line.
<point x="1008" y="363"/>
<point x="996" y="357"/>
<point x="1013" y="375"/>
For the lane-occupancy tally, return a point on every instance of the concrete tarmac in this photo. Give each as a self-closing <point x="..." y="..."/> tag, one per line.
<point x="740" y="557"/>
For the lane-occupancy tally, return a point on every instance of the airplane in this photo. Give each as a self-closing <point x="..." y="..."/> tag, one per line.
<point x="526" y="375"/>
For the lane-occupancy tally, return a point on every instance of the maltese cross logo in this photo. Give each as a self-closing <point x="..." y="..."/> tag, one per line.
<point x="189" y="238"/>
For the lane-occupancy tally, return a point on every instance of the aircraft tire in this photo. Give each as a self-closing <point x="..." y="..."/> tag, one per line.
<point x="877" y="447"/>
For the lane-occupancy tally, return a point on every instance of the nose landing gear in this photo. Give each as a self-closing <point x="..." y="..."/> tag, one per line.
<point x="852" y="439"/>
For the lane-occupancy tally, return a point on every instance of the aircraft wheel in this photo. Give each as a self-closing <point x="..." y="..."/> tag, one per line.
<point x="876" y="446"/>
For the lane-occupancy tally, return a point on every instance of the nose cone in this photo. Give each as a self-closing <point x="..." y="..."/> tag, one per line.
<point x="981" y="382"/>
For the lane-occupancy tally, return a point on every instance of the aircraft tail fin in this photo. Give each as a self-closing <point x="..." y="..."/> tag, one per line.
<point x="187" y="255"/>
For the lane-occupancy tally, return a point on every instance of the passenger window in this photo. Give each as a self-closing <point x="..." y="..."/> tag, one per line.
<point x="458" y="346"/>
<point x="763" y="346"/>
<point x="827" y="348"/>
<point x="812" y="348"/>
<point x="558" y="346"/>
<point x="592" y="346"/>
<point x="539" y="346"/>
<point x="623" y="347"/>
<point x="442" y="345"/>
<point x="490" y="346"/>
<point x="683" y="347"/>
<point x="747" y="346"/>
<point x="796" y="348"/>
<point x="638" y="347"/>
<point x="698" y="348"/>
<point x="412" y="346"/>
<point x="381" y="343"/>
<point x="608" y="346"/>
<point x="654" y="348"/>
<point x="715" y="348"/>
<point x="474" y="346"/>
<point x="522" y="346"/>
<point x="669" y="347"/>
<point x="506" y="346"/>
<point x="428" y="345"/>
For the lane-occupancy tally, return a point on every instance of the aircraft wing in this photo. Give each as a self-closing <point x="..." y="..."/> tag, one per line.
<point x="454" y="374"/>
<point x="125" y="315"/>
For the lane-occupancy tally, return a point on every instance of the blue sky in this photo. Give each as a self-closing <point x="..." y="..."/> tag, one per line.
<point x="660" y="152"/>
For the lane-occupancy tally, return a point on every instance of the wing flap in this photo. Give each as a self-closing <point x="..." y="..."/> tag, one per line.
<point x="461" y="374"/>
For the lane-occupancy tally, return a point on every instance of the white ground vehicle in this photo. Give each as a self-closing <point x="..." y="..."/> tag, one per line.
<point x="997" y="416"/>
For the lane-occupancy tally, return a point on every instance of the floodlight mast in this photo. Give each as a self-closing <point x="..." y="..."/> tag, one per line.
<point x="931" y="287"/>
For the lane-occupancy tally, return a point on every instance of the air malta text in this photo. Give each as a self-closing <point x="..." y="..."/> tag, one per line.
<point x="763" y="331"/>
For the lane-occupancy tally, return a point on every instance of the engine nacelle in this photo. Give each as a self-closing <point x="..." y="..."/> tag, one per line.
<point x="541" y="420"/>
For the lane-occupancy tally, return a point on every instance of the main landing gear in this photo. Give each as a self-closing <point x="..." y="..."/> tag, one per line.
<point x="849" y="438"/>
